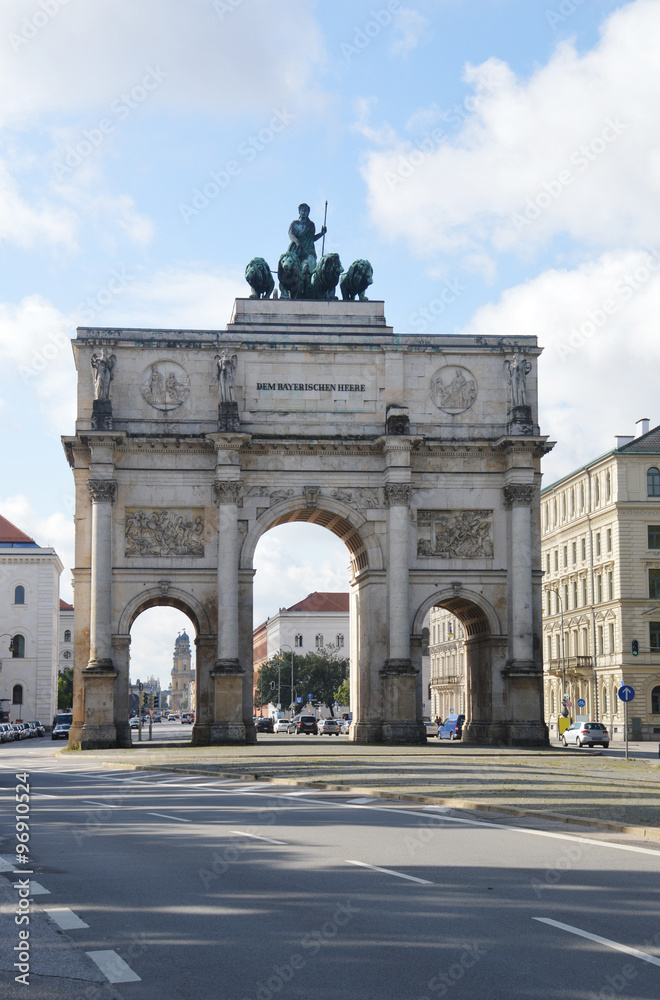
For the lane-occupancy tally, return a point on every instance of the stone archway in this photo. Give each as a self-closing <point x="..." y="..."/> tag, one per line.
<point x="420" y="453"/>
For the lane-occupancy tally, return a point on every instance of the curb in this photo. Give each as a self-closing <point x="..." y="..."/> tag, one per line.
<point x="649" y="832"/>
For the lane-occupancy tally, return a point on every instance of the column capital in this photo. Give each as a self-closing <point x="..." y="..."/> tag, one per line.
<point x="102" y="490"/>
<point x="518" y="495"/>
<point x="227" y="492"/>
<point x="397" y="494"/>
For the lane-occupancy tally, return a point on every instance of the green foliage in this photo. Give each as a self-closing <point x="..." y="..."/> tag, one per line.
<point x="319" y="674"/>
<point x="343" y="694"/>
<point x="65" y="689"/>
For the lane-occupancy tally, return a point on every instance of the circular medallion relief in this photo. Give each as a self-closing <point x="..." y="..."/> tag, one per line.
<point x="453" y="389"/>
<point x="165" y="385"/>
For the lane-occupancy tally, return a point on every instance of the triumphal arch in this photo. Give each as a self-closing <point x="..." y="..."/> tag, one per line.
<point x="421" y="453"/>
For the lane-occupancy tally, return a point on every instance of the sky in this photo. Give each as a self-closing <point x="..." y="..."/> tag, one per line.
<point x="496" y="160"/>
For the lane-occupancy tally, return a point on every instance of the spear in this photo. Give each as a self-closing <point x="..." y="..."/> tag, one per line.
<point x="325" y="219"/>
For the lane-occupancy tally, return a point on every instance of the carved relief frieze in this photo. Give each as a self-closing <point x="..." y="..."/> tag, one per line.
<point x="453" y="389"/>
<point x="455" y="534"/>
<point x="273" y="495"/>
<point x="165" y="385"/>
<point x="362" y="497"/>
<point x="160" y="532"/>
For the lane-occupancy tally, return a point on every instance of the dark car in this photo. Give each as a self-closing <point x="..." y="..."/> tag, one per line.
<point x="306" y="724"/>
<point x="452" y="728"/>
<point x="264" y="724"/>
<point x="61" y="726"/>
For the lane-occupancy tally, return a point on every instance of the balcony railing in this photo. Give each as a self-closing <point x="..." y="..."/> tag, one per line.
<point x="447" y="679"/>
<point x="574" y="663"/>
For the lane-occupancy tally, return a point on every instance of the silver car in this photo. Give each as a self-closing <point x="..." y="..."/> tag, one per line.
<point x="586" y="734"/>
<point x="284" y="726"/>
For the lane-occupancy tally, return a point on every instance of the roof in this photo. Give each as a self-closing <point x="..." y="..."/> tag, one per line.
<point x="11" y="535"/>
<point x="322" y="601"/>
<point x="645" y="444"/>
<point x="64" y="606"/>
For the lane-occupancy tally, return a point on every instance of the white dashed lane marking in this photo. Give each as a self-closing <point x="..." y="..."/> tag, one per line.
<point x="66" y="918"/>
<point x="113" y="967"/>
<point x="177" y="819"/>
<point x="255" y="836"/>
<point x="642" y="955"/>
<point x="389" y="871"/>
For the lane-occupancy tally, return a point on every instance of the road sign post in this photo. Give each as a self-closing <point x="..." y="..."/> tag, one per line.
<point x="626" y="693"/>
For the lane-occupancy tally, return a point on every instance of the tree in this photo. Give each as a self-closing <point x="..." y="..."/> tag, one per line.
<point x="343" y="694"/>
<point x="318" y="674"/>
<point x="65" y="689"/>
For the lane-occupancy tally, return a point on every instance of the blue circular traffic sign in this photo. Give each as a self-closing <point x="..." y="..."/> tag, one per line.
<point x="626" y="692"/>
<point x="581" y="702"/>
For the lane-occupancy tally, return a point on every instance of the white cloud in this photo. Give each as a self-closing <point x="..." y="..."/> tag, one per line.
<point x="598" y="372"/>
<point x="226" y="57"/>
<point x="579" y="137"/>
<point x="410" y="27"/>
<point x="31" y="224"/>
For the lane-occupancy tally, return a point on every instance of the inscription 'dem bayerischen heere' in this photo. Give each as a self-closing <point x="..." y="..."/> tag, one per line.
<point x="309" y="387"/>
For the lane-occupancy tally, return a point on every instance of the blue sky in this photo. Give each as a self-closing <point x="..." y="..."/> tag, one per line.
<point x="148" y="150"/>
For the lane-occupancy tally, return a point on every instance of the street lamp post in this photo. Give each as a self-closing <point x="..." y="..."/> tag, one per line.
<point x="563" y="658"/>
<point x="286" y="646"/>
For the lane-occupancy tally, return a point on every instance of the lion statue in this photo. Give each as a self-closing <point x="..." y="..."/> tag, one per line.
<point x="325" y="277"/>
<point x="356" y="281"/>
<point x="259" y="278"/>
<point x="290" y="276"/>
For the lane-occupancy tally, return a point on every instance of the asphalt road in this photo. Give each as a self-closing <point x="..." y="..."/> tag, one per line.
<point x="171" y="887"/>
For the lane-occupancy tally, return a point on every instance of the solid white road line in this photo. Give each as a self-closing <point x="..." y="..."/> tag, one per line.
<point x="66" y="919"/>
<point x="388" y="871"/>
<point x="37" y="889"/>
<point x="171" y="781"/>
<point x="295" y="795"/>
<point x="360" y="802"/>
<point x="642" y="955"/>
<point x="177" y="819"/>
<point x="255" y="836"/>
<point x="113" y="967"/>
<point x="103" y="805"/>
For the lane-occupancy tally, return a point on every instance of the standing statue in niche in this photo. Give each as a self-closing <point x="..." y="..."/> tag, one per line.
<point x="518" y="368"/>
<point x="226" y="369"/>
<point x="103" y="366"/>
<point x="303" y="236"/>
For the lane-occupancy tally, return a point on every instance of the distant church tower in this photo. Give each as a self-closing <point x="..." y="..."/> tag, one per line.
<point x="182" y="674"/>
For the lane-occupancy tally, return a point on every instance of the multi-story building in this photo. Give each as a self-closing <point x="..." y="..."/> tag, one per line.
<point x="320" y="620"/>
<point x="182" y="674"/>
<point x="29" y="622"/>
<point x="447" y="663"/>
<point x="65" y="650"/>
<point x="601" y="587"/>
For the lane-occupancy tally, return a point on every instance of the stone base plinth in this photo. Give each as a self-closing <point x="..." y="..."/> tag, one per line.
<point x="404" y="732"/>
<point x="200" y="735"/>
<point x="97" y="737"/>
<point x="366" y="732"/>
<point x="223" y="733"/>
<point x="506" y="734"/>
<point x="124" y="737"/>
<point x="101" y="415"/>
<point x="228" y="417"/>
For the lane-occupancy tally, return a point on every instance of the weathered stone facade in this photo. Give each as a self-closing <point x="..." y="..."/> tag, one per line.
<point x="387" y="440"/>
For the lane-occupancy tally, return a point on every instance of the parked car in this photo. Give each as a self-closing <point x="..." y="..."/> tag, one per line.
<point x="134" y="723"/>
<point x="187" y="718"/>
<point x="586" y="734"/>
<point x="328" y="727"/>
<point x="284" y="726"/>
<point x="265" y="724"/>
<point x="430" y="726"/>
<point x="306" y="724"/>
<point x="171" y="717"/>
<point x="37" y="728"/>
<point x="6" y="732"/>
<point x="452" y="728"/>
<point x="22" y="731"/>
<point x="345" y="725"/>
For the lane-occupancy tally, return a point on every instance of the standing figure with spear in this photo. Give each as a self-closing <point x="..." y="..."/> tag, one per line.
<point x="303" y="236"/>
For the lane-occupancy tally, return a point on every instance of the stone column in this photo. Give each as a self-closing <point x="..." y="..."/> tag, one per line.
<point x="227" y="726"/>
<point x="121" y="645"/>
<point x="99" y="728"/>
<point x="398" y="675"/>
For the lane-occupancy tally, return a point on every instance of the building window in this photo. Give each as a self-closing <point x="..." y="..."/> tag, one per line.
<point x="654" y="584"/>
<point x="554" y="511"/>
<point x="604" y="699"/>
<point x="18" y="647"/>
<point x="548" y="606"/>
<point x="599" y="589"/>
<point x="549" y="647"/>
<point x="655" y="701"/>
<point x="546" y="524"/>
<point x="67" y="635"/>
<point x="575" y="594"/>
<point x="608" y="485"/>
<point x="574" y="552"/>
<point x="565" y="556"/>
<point x="654" y="536"/>
<point x="298" y="641"/>
<point x="584" y="549"/>
<point x="547" y="563"/>
<point x="654" y="631"/>
<point x="563" y="506"/>
<point x="556" y="560"/>
<point x="610" y="629"/>
<point x="566" y="596"/>
<point x="610" y="586"/>
<point x="339" y="641"/>
<point x="600" y="640"/>
<point x="17" y="694"/>
<point x="609" y="539"/>
<point x="584" y="592"/>
<point x="67" y="654"/>
<point x="552" y="701"/>
<point x="572" y="501"/>
<point x="558" y="646"/>
<point x="581" y="496"/>
<point x="19" y="594"/>
<point x="653" y="482"/>
<point x="598" y="543"/>
<point x="596" y="491"/>
<point x="319" y="641"/>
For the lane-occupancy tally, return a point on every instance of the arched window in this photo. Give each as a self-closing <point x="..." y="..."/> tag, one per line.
<point x="655" y="701"/>
<point x="67" y="635"/>
<point x="319" y="641"/>
<point x="67" y="654"/>
<point x="604" y="699"/>
<point x="552" y="701"/>
<point x="339" y="640"/>
<point x="653" y="482"/>
<point x="19" y="594"/>
<point x="18" y="651"/>
<point x="17" y="694"/>
<point x="298" y="641"/>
